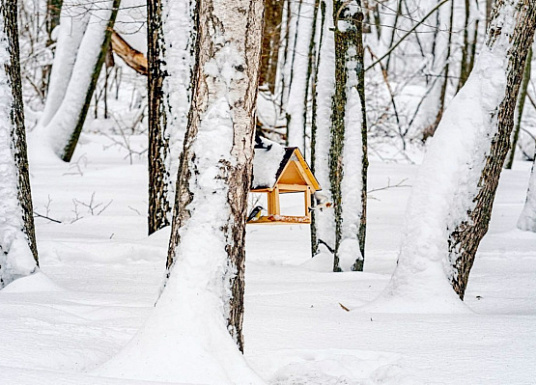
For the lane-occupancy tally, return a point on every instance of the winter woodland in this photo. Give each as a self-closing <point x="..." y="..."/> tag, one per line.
<point x="267" y="192"/>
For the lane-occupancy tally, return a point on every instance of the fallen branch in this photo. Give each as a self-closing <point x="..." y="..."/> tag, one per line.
<point x="37" y="215"/>
<point x="132" y="57"/>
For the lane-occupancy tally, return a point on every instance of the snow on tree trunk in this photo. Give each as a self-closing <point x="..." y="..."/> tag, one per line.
<point x="64" y="127"/>
<point x="343" y="168"/>
<point x="18" y="250"/>
<point x="323" y="226"/>
<point x="73" y="24"/>
<point x="195" y="332"/>
<point x="170" y="45"/>
<point x="511" y="38"/>
<point x="452" y="198"/>
<point x="527" y="219"/>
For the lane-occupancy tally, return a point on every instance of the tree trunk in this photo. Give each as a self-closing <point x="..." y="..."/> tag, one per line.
<point x="64" y="120"/>
<point x="70" y="35"/>
<point x="159" y="205"/>
<point x="222" y="119"/>
<point x="70" y="146"/>
<point x="273" y="19"/>
<point x="348" y="137"/>
<point x="452" y="197"/>
<point x="445" y="64"/>
<point x="527" y="219"/>
<point x="314" y="113"/>
<point x="338" y="153"/>
<point x="466" y="236"/>
<point x="51" y="22"/>
<point x="520" y="107"/>
<point x="18" y="250"/>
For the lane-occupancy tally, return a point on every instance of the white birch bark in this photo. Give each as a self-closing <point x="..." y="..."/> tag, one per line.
<point x="193" y="334"/>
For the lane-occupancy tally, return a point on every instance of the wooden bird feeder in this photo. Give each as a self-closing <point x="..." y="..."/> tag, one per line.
<point x="292" y="175"/>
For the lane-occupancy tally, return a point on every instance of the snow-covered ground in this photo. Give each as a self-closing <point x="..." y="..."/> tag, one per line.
<point x="105" y="274"/>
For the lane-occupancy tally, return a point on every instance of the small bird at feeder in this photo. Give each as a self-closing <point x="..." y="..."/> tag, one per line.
<point x="255" y="214"/>
<point x="320" y="202"/>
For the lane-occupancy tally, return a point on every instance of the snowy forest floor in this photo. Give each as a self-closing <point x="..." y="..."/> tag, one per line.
<point x="105" y="274"/>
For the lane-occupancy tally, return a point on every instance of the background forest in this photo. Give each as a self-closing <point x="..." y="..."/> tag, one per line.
<point x="147" y="123"/>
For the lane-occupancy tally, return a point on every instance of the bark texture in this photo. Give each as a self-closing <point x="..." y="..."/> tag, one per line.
<point x="520" y="107"/>
<point x="273" y="19"/>
<point x="465" y="238"/>
<point x="348" y="59"/>
<point x="22" y="220"/>
<point x="159" y="205"/>
<point x="225" y="79"/>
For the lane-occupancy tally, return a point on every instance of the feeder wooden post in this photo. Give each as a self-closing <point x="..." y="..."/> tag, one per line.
<point x="273" y="201"/>
<point x="308" y="202"/>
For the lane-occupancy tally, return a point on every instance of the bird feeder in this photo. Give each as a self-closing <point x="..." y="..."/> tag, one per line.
<point x="278" y="170"/>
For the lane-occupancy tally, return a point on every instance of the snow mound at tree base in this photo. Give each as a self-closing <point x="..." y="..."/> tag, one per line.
<point x="37" y="282"/>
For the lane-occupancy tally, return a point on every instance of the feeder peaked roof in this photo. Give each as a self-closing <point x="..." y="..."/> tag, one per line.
<point x="275" y="164"/>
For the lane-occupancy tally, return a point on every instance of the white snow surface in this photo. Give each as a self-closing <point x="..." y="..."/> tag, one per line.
<point x="295" y="330"/>
<point x="16" y="259"/>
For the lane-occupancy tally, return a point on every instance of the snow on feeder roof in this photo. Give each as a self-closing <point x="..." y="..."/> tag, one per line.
<point x="276" y="170"/>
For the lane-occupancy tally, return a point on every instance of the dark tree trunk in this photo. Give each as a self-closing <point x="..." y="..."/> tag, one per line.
<point x="430" y="130"/>
<point x="237" y="26"/>
<point x="314" y="109"/>
<point x="520" y="107"/>
<point x="159" y="205"/>
<point x="68" y="151"/>
<point x="465" y="238"/>
<point x="8" y="11"/>
<point x="311" y="60"/>
<point x="273" y="19"/>
<point x="348" y="49"/>
<point x="52" y="21"/>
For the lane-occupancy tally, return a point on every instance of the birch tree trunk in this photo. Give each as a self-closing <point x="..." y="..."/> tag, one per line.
<point x="158" y="154"/>
<point x="348" y="150"/>
<point x="340" y="126"/>
<point x="197" y="322"/>
<point x="170" y="74"/>
<point x="516" y="35"/>
<point x="452" y="198"/>
<point x="527" y="219"/>
<point x="18" y="250"/>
